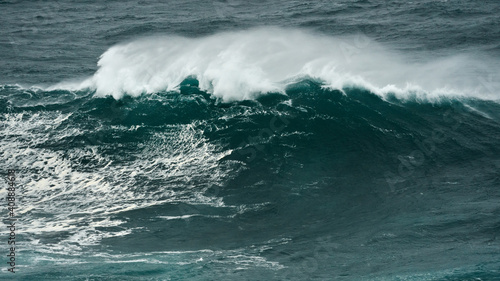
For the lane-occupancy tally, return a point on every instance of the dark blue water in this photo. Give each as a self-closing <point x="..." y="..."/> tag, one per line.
<point x="226" y="140"/>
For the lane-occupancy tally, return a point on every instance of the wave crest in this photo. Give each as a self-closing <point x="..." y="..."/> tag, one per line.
<point x="241" y="65"/>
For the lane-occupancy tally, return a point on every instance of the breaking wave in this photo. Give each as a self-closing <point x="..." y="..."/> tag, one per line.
<point x="245" y="64"/>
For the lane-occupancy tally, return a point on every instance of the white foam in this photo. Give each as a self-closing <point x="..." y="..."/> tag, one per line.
<point x="80" y="200"/>
<point x="240" y="65"/>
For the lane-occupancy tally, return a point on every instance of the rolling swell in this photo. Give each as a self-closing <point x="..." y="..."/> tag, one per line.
<point x="350" y="131"/>
<point x="348" y="126"/>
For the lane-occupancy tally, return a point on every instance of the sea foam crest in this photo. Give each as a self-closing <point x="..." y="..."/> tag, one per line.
<point x="243" y="64"/>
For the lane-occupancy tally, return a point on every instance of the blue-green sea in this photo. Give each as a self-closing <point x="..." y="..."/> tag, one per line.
<point x="251" y="140"/>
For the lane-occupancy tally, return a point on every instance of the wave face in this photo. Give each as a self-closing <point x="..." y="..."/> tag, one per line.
<point x="245" y="64"/>
<point x="180" y="180"/>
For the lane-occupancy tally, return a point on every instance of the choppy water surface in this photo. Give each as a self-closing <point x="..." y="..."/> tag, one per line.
<point x="355" y="140"/>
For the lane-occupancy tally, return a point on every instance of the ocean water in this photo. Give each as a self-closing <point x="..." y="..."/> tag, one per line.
<point x="265" y="140"/>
